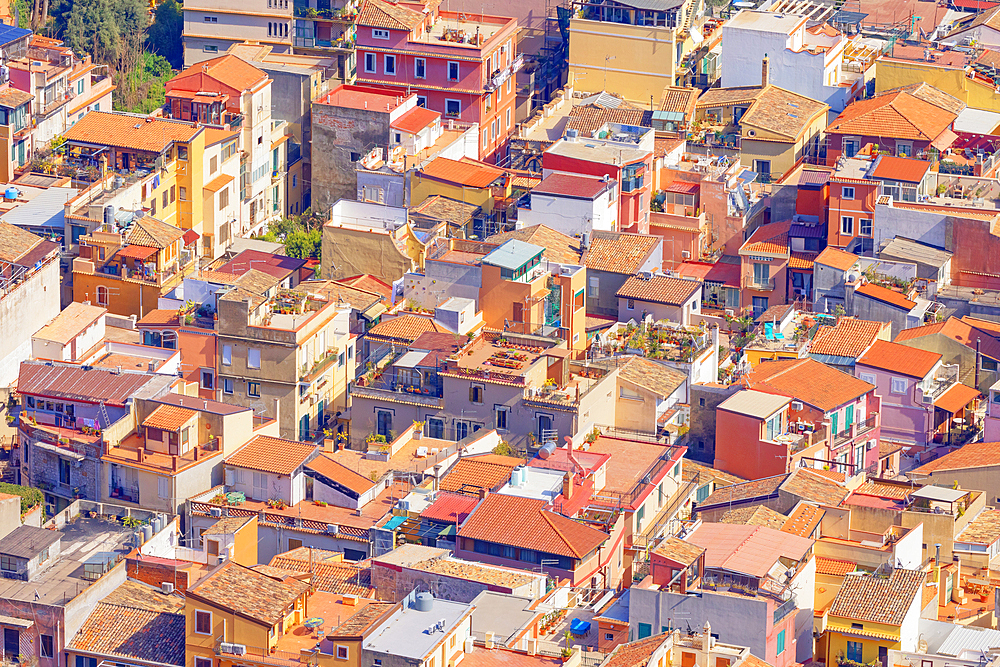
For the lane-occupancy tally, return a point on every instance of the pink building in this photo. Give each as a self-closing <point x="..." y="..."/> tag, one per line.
<point x="923" y="396"/>
<point x="751" y="435"/>
<point x="461" y="65"/>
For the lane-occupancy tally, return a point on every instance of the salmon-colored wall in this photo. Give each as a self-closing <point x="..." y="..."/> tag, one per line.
<point x="497" y="296"/>
<point x="198" y="350"/>
<point x="740" y="449"/>
<point x="862" y="206"/>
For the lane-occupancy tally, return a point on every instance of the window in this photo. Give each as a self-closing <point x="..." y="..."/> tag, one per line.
<point x="500" y="413"/>
<point x="608" y="636"/>
<point x="854" y="651"/>
<point x="847" y="225"/>
<point x="645" y="630"/>
<point x="370" y="63"/>
<point x="781" y="642"/>
<point x="380" y="34"/>
<point x="163" y="487"/>
<point x="207" y="379"/>
<point x="847" y="193"/>
<point x="227" y="355"/>
<point x="102" y="295"/>
<point x="452" y="108"/>
<point x="198" y="662"/>
<point x="761" y="274"/>
<point x="899" y="385"/>
<point x="383" y="423"/>
<point x="865" y="226"/>
<point x="211" y="19"/>
<point x="64" y="471"/>
<point x="253" y="389"/>
<point x="508" y="119"/>
<point x="595" y="287"/>
<point x="202" y="622"/>
<point x="773" y="427"/>
<point x="253" y="357"/>
<point x="227" y="385"/>
<point x="476" y="392"/>
<point x="420" y="68"/>
<point x="867" y="377"/>
<point x="904" y="149"/>
<point x="209" y="48"/>
<point x="213" y="164"/>
<point x="850" y="147"/>
<point x="182" y="153"/>
<point x="46" y="646"/>
<point x="630" y="304"/>
<point x="390" y="65"/>
<point x="452" y="71"/>
<point x="342" y="651"/>
<point x="987" y="364"/>
<point x="8" y="564"/>
<point x="421" y="101"/>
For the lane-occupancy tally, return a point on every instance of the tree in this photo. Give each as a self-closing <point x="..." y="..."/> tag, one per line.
<point x="304" y="244"/>
<point x="302" y="235"/>
<point x="164" y="36"/>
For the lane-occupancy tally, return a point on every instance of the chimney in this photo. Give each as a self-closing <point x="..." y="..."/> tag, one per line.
<point x="483" y="493"/>
<point x="764" y="67"/>
<point x="140" y="454"/>
<point x="567" y="489"/>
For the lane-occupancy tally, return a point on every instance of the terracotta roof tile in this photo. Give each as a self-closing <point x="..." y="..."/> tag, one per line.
<point x="837" y="258"/>
<point x="416" y="119"/>
<point x="631" y="461"/>
<point x="750" y="550"/>
<point x="754" y="515"/>
<point x="637" y="653"/>
<point x="340" y="474"/>
<point x="129" y="633"/>
<point x="679" y="100"/>
<point x="404" y="327"/>
<point x="536" y="528"/>
<point x="833" y="566"/>
<point x="248" y="593"/>
<point x="379" y="14"/>
<point x="745" y="491"/>
<point x="803" y="520"/>
<point x="619" y="253"/>
<point x="151" y="232"/>
<point x="885" y="295"/>
<point x="659" y="289"/>
<point x="656" y="377"/>
<point x="558" y="246"/>
<point x="983" y="529"/>
<point x="849" y="337"/>
<point x="678" y="550"/>
<point x="450" y="508"/>
<point x="369" y="283"/>
<point x="894" y="114"/>
<point x="968" y="456"/>
<point x="714" y="97"/>
<point x="905" y="169"/>
<point x="273" y="455"/>
<point x="958" y="330"/>
<point x="340" y="578"/>
<point x="71" y="322"/>
<point x="692" y="468"/>
<point x="15" y="242"/>
<point x="586" y="118"/>
<point x="169" y="417"/>
<point x="472" y="473"/>
<point x="896" y="358"/>
<point x="234" y="72"/>
<point x="882" y="490"/>
<point x="956" y="397"/>
<point x="572" y="185"/>
<point x="463" y="172"/>
<point x="807" y="380"/>
<point x="783" y="112"/>
<point x="878" y="599"/>
<point x="807" y="485"/>
<point x="801" y="260"/>
<point x="120" y="130"/>
<point x="769" y="239"/>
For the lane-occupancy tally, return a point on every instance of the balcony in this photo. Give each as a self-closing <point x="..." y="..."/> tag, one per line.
<point x="347" y="15"/>
<point x="500" y="76"/>
<point x="855" y="430"/>
<point x="398" y="392"/>
<point x="750" y="282"/>
<point x="260" y="655"/>
<point x="122" y="491"/>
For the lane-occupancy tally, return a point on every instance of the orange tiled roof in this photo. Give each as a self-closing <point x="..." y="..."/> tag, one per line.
<point x="769" y="239"/>
<point x="900" y="168"/>
<point x="659" y="289"/>
<point x="808" y="485"/>
<point x="619" y="253"/>
<point x="898" y="115"/>
<point x="972" y="455"/>
<point x="169" y="417"/>
<point x="878" y="599"/>
<point x="106" y="128"/>
<point x="804" y="520"/>
<point x="535" y="528"/>
<point x="228" y="69"/>
<point x="464" y="172"/>
<point x="783" y="112"/>
<point x="959" y="330"/>
<point x="404" y="327"/>
<point x="329" y="576"/>
<point x="848" y="338"/>
<point x="415" y="120"/>
<point x="744" y="491"/>
<point x="471" y="473"/>
<point x="956" y="397"/>
<point x="637" y="653"/>
<point x="834" y="566"/>
<point x="248" y="593"/>
<point x="807" y="380"/>
<point x="801" y="260"/>
<point x="678" y="550"/>
<point x="754" y="515"/>
<point x="273" y="455"/>
<point x="132" y="634"/>
<point x="836" y="258"/>
<point x="341" y="474"/>
<point x="886" y="295"/>
<point x="379" y="14"/>
<point x="897" y="358"/>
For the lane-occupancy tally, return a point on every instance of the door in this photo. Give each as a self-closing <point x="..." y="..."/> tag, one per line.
<point x="848" y="417"/>
<point x="304" y="427"/>
<point x="833" y="424"/>
<point x="11" y="644"/>
<point x="883" y="655"/>
<point x="544" y="425"/>
<point x="759" y="305"/>
<point x="461" y="430"/>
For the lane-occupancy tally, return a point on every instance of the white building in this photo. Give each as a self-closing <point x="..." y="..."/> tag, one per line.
<point x="805" y="60"/>
<point x="572" y="204"/>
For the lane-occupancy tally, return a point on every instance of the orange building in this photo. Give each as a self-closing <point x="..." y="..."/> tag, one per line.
<point x="194" y="336"/>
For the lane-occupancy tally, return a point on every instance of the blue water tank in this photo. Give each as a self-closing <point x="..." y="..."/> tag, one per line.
<point x="10" y="194"/>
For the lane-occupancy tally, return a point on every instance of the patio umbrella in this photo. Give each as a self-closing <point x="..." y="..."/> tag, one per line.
<point x="313" y="622"/>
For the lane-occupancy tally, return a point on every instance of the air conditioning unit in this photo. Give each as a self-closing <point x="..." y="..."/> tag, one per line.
<point x="796" y="405"/>
<point x="167" y="588"/>
<point x="239" y="649"/>
<point x="927" y="399"/>
<point x="332" y="528"/>
<point x="226" y="647"/>
<point x="215" y="511"/>
<point x="685" y="254"/>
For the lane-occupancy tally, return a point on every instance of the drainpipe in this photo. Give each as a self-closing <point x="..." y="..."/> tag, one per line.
<point x="978" y="360"/>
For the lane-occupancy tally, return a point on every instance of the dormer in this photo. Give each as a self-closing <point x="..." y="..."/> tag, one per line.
<point x="170" y="430"/>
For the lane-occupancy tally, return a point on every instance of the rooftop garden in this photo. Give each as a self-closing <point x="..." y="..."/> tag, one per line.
<point x="659" y="341"/>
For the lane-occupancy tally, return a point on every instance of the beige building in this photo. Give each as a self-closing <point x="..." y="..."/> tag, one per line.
<point x="288" y="354"/>
<point x="364" y="237"/>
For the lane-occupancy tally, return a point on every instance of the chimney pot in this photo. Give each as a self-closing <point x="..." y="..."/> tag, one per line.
<point x="764" y="72"/>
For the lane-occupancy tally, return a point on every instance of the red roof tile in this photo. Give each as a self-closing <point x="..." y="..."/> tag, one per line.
<point x="769" y="239"/>
<point x="535" y="527"/>
<point x="850" y="337"/>
<point x="885" y="295"/>
<point x="228" y="69"/>
<point x="900" y="169"/>
<point x="659" y="289"/>
<point x="878" y="599"/>
<point x="572" y="185"/>
<point x="956" y="397"/>
<point x="450" y="508"/>
<point x="169" y="417"/>
<point x="463" y="172"/>
<point x="897" y="115"/>
<point x="415" y="120"/>
<point x="379" y="14"/>
<point x="971" y="455"/>
<point x="340" y="474"/>
<point x="836" y="258"/>
<point x="807" y="380"/>
<point x="911" y="361"/>
<point x="273" y="455"/>
<point x="619" y="253"/>
<point x="834" y="567"/>
<point x="95" y="385"/>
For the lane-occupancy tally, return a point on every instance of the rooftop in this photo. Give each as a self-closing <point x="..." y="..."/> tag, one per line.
<point x="897" y="114"/>
<point x="122" y="130"/>
<point x="968" y="456"/>
<point x="572" y="185"/>
<point x="809" y="381"/>
<point x="877" y="598"/>
<point x="362" y="97"/>
<point x="983" y="529"/>
<point x="503" y="614"/>
<point x="754" y="403"/>
<point x="886" y="295"/>
<point x="407" y="632"/>
<point x="82" y="383"/>
<point x="897" y="358"/>
<point x="466" y="172"/>
<point x="471" y="473"/>
<point x="750" y="550"/>
<point x="754" y="515"/>
<point x="273" y="455"/>
<point x="558" y="246"/>
<point x="619" y="253"/>
<point x="849" y="337"/>
<point x="248" y="593"/>
<point x="660" y="289"/>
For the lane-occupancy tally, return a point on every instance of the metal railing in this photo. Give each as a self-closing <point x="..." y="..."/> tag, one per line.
<point x="784" y="609"/>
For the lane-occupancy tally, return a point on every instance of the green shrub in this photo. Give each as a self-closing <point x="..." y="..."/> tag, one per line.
<point x="29" y="497"/>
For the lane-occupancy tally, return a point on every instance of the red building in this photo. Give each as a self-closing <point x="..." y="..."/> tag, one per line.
<point x="461" y="65"/>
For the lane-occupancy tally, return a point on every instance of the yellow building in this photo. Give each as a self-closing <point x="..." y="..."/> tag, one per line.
<point x="630" y="51"/>
<point x="976" y="92"/>
<point x="872" y="614"/>
<point x="462" y="180"/>
<point x="188" y="174"/>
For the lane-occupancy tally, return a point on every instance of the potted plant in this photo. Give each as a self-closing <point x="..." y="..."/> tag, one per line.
<point x="418" y="430"/>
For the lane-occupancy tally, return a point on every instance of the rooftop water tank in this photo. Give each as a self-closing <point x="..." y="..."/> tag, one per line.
<point x="10" y="194"/>
<point x="424" y="602"/>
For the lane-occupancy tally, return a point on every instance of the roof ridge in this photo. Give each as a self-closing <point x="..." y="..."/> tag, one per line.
<point x="558" y="532"/>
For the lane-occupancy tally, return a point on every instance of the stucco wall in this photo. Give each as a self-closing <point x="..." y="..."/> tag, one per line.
<point x="24" y="311"/>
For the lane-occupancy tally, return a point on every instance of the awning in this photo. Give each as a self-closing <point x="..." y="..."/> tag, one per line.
<point x="377" y="309"/>
<point x="683" y="187"/>
<point x="139" y="252"/>
<point x="944" y="140"/>
<point x="394" y="523"/>
<point x="411" y="359"/>
<point x="219" y="183"/>
<point x="190" y="236"/>
<point x="447" y="531"/>
<point x="13" y="621"/>
<point x="956" y="397"/>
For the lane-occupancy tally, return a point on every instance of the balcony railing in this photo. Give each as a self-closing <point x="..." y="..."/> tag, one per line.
<point x="258" y="654"/>
<point x="784" y="609"/>
<point x="749" y="282"/>
<point x="500" y="76"/>
<point x="855" y="430"/>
